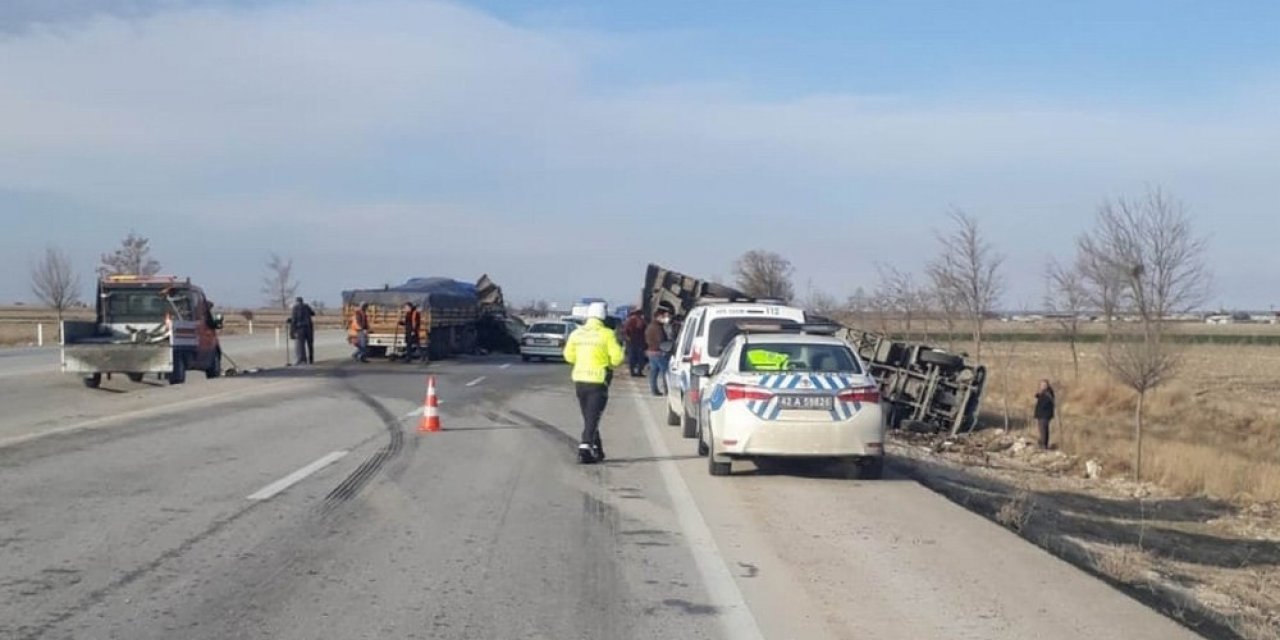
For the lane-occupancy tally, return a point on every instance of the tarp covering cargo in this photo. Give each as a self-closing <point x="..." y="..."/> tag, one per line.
<point x="426" y="293"/>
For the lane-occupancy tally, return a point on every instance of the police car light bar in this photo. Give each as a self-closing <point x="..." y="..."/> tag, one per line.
<point x="737" y="299"/>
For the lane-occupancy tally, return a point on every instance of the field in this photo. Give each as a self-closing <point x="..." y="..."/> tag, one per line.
<point x="1213" y="431"/>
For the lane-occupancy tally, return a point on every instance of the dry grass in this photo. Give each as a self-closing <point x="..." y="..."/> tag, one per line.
<point x="1125" y="563"/>
<point x="1215" y="430"/>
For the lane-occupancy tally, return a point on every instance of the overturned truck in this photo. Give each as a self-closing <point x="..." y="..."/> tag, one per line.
<point x="925" y="386"/>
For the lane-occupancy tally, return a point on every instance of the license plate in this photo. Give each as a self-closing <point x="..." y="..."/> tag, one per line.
<point x="543" y="343"/>
<point x="812" y="403"/>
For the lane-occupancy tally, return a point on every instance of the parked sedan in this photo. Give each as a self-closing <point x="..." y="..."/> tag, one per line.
<point x="545" y="340"/>
<point x="792" y="395"/>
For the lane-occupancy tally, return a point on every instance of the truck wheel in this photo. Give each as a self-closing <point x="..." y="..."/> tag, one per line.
<point x="525" y="358"/>
<point x="179" y="373"/>
<point x="215" y="367"/>
<point x="93" y="382"/>
<point x="941" y="359"/>
<point x="135" y="377"/>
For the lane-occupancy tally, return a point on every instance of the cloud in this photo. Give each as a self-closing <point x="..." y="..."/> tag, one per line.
<point x="378" y="140"/>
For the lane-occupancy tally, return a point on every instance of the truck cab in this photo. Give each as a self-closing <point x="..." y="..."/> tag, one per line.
<point x="144" y="325"/>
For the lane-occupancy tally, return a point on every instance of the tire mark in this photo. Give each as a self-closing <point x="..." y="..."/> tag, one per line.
<point x="360" y="478"/>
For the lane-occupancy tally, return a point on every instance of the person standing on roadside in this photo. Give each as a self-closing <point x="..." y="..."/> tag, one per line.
<point x="593" y="350"/>
<point x="1045" y="405"/>
<point x="633" y="333"/>
<point x="302" y="327"/>
<point x="360" y="331"/>
<point x="655" y="337"/>
<point x="411" y="320"/>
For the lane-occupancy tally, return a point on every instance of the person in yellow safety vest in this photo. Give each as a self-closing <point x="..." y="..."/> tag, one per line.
<point x="360" y="329"/>
<point x="594" y="351"/>
<point x="765" y="360"/>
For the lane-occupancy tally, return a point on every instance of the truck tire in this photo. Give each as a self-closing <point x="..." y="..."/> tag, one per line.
<point x="135" y="377"/>
<point x="179" y="373"/>
<point x="215" y="366"/>
<point x="92" y="381"/>
<point x="941" y="359"/>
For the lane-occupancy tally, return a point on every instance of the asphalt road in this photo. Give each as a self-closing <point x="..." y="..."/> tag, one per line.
<point x="303" y="503"/>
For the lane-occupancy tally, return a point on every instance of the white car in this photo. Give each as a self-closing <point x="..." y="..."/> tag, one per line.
<point x="791" y="394"/>
<point x="702" y="338"/>
<point x="545" y="340"/>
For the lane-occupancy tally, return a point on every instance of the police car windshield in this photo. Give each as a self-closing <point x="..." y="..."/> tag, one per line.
<point x="816" y="358"/>
<point x="722" y="330"/>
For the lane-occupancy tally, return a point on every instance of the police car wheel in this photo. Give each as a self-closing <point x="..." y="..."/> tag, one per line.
<point x="689" y="427"/>
<point x="673" y="418"/>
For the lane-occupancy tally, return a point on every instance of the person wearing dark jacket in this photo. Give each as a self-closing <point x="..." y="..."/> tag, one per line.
<point x="633" y="335"/>
<point x="654" y="337"/>
<point x="1045" y="402"/>
<point x="302" y="330"/>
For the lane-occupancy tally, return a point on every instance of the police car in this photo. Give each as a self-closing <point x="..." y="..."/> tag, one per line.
<point x="702" y="339"/>
<point x="790" y="392"/>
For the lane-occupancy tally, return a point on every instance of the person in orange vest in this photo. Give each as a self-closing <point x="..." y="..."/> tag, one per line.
<point x="412" y="323"/>
<point x="360" y="325"/>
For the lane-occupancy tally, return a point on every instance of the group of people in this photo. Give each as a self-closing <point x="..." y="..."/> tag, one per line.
<point x="648" y="347"/>
<point x="410" y="322"/>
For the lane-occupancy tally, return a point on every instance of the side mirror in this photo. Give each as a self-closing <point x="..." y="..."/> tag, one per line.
<point x="701" y="370"/>
<point x="686" y="359"/>
<point x="217" y="321"/>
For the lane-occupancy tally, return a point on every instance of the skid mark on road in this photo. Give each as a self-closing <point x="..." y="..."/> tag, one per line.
<point x="370" y="467"/>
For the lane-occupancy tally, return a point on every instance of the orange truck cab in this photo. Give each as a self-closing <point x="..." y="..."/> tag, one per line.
<point x="145" y="325"/>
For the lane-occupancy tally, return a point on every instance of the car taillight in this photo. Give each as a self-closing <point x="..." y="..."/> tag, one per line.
<point x="869" y="395"/>
<point x="695" y="395"/>
<point x="734" y="391"/>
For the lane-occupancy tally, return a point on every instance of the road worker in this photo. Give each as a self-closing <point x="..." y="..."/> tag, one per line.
<point x="360" y="332"/>
<point x="411" y="320"/>
<point x="594" y="351"/>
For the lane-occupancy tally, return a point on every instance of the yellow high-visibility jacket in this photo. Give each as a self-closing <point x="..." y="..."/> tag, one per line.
<point x="593" y="350"/>
<point x="764" y="360"/>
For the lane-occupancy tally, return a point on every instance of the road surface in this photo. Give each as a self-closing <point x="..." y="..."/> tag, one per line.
<point x="303" y="503"/>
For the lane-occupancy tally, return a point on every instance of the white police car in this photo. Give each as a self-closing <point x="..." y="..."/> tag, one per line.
<point x="791" y="394"/>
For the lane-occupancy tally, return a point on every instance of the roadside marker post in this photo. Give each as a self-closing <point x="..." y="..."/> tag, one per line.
<point x="430" y="422"/>
<point x="40" y="334"/>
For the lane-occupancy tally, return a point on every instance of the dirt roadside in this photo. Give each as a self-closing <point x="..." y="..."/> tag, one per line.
<point x="1212" y="565"/>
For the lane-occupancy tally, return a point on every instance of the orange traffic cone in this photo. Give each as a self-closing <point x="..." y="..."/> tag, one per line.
<point x="430" y="421"/>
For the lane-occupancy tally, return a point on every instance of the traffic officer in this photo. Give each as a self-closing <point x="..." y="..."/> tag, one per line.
<point x="360" y="332"/>
<point x="302" y="328"/>
<point x="593" y="350"/>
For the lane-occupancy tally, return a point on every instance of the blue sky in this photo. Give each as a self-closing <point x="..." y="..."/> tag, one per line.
<point x="384" y="139"/>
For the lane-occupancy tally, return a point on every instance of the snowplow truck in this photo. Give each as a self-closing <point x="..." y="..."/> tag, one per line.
<point x="145" y="325"/>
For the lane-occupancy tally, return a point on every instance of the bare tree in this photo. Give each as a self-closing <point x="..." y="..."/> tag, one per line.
<point x="943" y="299"/>
<point x="859" y="304"/>
<point x="1067" y="298"/>
<point x="133" y="258"/>
<point x="765" y="274"/>
<point x="821" y="303"/>
<point x="536" y="309"/>
<point x="967" y="271"/>
<point x="54" y="282"/>
<point x="899" y="293"/>
<point x="1152" y="257"/>
<point x="278" y="286"/>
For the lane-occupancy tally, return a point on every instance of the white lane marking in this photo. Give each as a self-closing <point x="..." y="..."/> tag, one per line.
<point x="736" y="617"/>
<point x="476" y="381"/>
<point x="505" y="366"/>
<point x="95" y="423"/>
<point x="270" y="491"/>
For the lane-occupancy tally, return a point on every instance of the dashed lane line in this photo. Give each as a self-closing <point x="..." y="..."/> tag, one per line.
<point x="270" y="491"/>
<point x="476" y="381"/>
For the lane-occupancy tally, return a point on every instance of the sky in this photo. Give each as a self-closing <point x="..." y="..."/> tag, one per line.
<point x="562" y="145"/>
